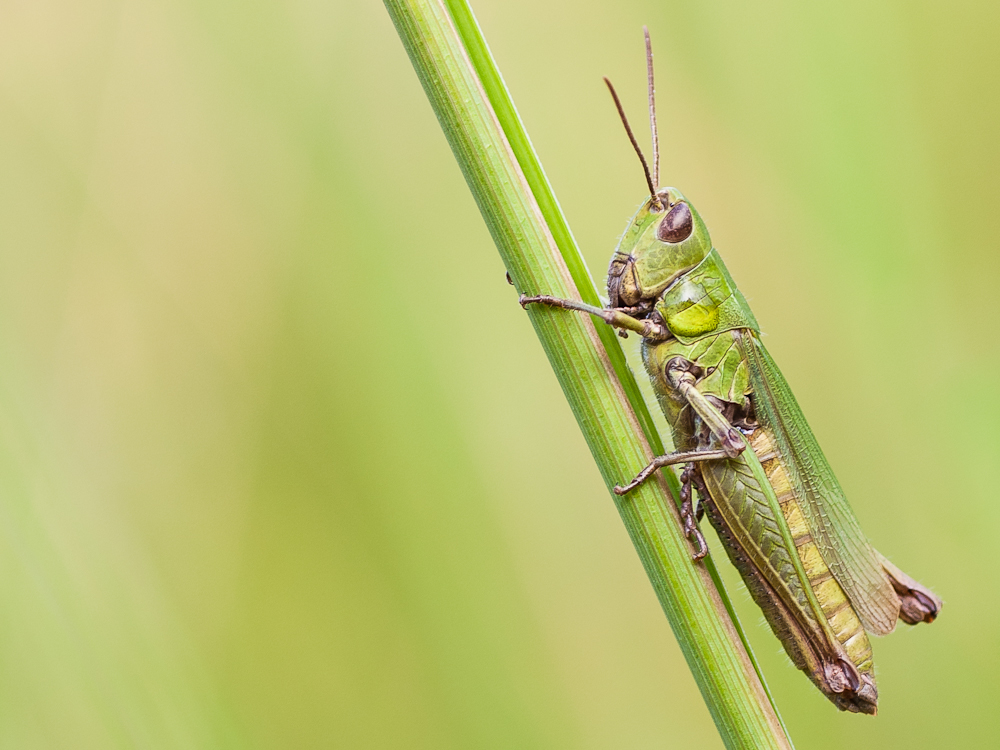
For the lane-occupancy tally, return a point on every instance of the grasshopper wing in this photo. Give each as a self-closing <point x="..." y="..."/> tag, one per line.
<point x="834" y="527"/>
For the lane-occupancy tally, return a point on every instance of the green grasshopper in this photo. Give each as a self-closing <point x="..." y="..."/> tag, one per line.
<point x="747" y="449"/>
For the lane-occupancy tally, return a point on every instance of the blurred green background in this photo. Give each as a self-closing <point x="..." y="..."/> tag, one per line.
<point x="282" y="463"/>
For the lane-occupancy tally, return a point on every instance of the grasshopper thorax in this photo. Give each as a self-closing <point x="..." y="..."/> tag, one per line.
<point x="665" y="238"/>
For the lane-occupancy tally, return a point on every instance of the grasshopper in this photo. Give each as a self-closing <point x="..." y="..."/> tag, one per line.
<point x="746" y="448"/>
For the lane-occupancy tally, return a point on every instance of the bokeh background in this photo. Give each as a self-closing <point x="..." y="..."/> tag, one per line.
<point x="282" y="463"/>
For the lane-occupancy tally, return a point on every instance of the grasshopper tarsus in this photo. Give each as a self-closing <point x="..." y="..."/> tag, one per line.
<point x="544" y="299"/>
<point x="688" y="520"/>
<point x="691" y="530"/>
<point x="641" y="477"/>
<point x="701" y="546"/>
<point x="703" y="495"/>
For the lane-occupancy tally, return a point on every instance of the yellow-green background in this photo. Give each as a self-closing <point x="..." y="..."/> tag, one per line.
<point x="282" y="464"/>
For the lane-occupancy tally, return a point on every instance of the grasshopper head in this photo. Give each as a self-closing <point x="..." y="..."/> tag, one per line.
<point x="665" y="238"/>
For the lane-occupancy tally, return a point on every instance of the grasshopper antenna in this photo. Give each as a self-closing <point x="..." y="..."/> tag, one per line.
<point x="635" y="145"/>
<point x="652" y="107"/>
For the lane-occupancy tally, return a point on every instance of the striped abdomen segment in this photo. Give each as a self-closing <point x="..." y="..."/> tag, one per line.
<point x="838" y="611"/>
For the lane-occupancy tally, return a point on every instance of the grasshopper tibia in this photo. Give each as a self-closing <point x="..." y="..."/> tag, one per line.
<point x="619" y="318"/>
<point x="680" y="457"/>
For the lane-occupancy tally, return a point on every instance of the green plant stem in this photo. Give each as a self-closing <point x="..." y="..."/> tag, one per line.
<point x="506" y="179"/>
<point x="507" y="116"/>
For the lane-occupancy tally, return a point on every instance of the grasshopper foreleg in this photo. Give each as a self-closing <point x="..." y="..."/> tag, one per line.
<point x="620" y="319"/>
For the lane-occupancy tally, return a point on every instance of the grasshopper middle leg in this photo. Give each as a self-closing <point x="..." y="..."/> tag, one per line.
<point x="732" y="443"/>
<point x="687" y="513"/>
<point x="680" y="457"/>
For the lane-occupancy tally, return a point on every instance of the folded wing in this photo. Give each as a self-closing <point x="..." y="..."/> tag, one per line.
<point x="834" y="527"/>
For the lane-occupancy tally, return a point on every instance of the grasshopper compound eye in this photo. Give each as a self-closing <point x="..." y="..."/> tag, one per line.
<point x="677" y="225"/>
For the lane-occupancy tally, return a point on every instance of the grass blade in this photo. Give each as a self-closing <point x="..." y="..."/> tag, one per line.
<point x="490" y="144"/>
